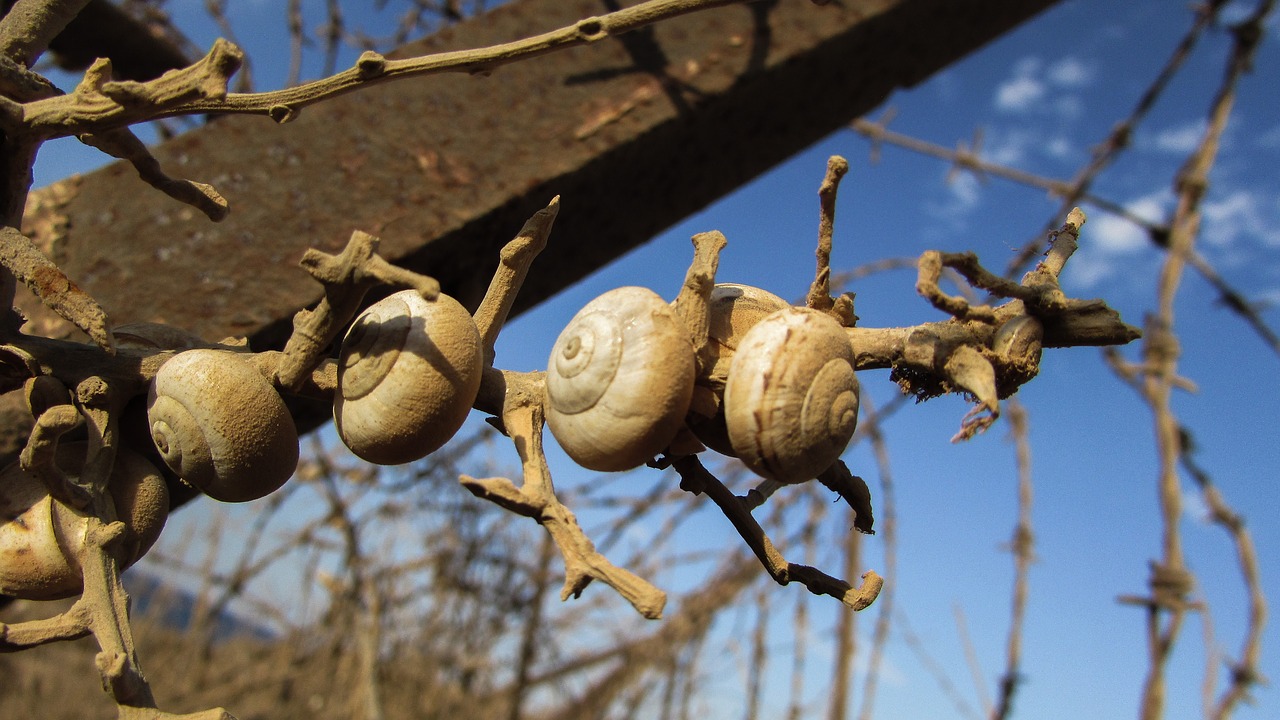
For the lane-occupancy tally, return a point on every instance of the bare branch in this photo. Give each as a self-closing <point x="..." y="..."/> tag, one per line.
<point x="202" y="87"/>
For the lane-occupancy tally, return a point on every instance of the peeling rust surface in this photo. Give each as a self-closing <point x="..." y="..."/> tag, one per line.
<point x="446" y="169"/>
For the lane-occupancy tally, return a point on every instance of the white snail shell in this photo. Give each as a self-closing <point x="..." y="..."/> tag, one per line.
<point x="619" y="380"/>
<point x="734" y="310"/>
<point x="221" y="426"/>
<point x="409" y="372"/>
<point x="791" y="403"/>
<point x="40" y="546"/>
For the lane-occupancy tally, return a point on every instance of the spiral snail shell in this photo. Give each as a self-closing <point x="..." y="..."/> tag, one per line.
<point x="733" y="310"/>
<point x="41" y="539"/>
<point x="791" y="402"/>
<point x="220" y="426"/>
<point x="408" y="374"/>
<point x="619" y="380"/>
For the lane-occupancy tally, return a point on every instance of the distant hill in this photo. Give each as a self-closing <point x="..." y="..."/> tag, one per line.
<point x="158" y="601"/>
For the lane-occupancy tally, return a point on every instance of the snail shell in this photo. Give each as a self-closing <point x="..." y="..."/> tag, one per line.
<point x="791" y="403"/>
<point x="1020" y="341"/>
<point x="734" y="309"/>
<point x="409" y="372"/>
<point x="220" y="426"/>
<point x="619" y="380"/>
<point x="40" y="544"/>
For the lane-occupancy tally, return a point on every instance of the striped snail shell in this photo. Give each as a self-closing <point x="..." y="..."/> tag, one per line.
<point x="619" y="380"/>
<point x="41" y="539"/>
<point x="734" y="309"/>
<point x="408" y="374"/>
<point x="221" y="426"/>
<point x="791" y="403"/>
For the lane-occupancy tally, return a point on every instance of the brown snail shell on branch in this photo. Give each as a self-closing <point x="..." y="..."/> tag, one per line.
<point x="408" y="374"/>
<point x="619" y="380"/>
<point x="221" y="426"/>
<point x="791" y="403"/>
<point x="40" y="545"/>
<point x="733" y="310"/>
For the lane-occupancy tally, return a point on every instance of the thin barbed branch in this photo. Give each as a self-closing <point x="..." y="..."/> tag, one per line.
<point x="696" y="479"/>
<point x="966" y="159"/>
<point x="1022" y="545"/>
<point x="202" y="88"/>
<point x="1170" y="579"/>
<point x="873" y="425"/>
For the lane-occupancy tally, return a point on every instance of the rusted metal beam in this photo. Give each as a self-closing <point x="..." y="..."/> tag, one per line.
<point x="633" y="134"/>
<point x="138" y="50"/>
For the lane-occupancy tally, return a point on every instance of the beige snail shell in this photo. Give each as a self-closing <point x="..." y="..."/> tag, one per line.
<point x="734" y="309"/>
<point x="409" y="372"/>
<point x="791" y="403"/>
<point x="40" y="545"/>
<point x="1020" y="341"/>
<point x="221" y="426"/>
<point x="619" y="380"/>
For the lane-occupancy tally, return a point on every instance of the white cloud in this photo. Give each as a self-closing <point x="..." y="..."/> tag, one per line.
<point x="1009" y="148"/>
<point x="964" y="194"/>
<point x="1070" y="72"/>
<point x="1238" y="215"/>
<point x="1110" y="243"/>
<point x="1032" y="81"/>
<point x="1180" y="139"/>
<point x="1268" y="299"/>
<point x="1022" y="146"/>
<point x="1114" y="235"/>
<point x="1058" y="147"/>
<point x="1153" y="208"/>
<point x="1019" y="94"/>
<point x="1087" y="270"/>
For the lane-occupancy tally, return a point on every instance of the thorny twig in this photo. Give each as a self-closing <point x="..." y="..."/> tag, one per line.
<point x="1022" y="546"/>
<point x="696" y="479"/>
<point x="346" y="278"/>
<point x="107" y="103"/>
<point x="1121" y="135"/>
<point x="1171" y="582"/>
<point x="964" y="158"/>
<point x="522" y="417"/>
<point x="873" y="427"/>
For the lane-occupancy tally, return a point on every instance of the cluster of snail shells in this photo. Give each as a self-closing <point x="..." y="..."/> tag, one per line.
<point x="220" y="425"/>
<point x="41" y="539"/>
<point x="408" y="374"/>
<point x="622" y="376"/>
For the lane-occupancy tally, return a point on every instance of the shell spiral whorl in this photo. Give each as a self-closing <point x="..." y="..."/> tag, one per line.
<point x="619" y="380"/>
<point x="408" y="374"/>
<point x="221" y="426"/>
<point x="791" y="402"/>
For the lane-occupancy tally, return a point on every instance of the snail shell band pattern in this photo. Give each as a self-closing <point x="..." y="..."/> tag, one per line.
<point x="221" y="426"/>
<point x="408" y="374"/>
<point x="619" y="380"/>
<point x="791" y="403"/>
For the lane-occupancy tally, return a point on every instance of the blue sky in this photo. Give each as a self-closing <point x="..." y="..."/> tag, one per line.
<point x="1043" y="95"/>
